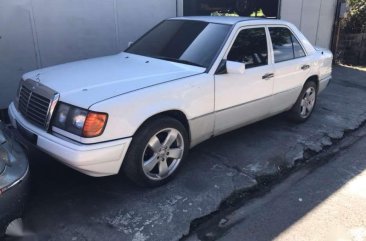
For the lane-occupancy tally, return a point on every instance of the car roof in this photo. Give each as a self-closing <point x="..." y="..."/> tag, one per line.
<point x="230" y="20"/>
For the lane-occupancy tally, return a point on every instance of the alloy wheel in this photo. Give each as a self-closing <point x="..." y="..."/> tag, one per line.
<point x="308" y="102"/>
<point x="163" y="154"/>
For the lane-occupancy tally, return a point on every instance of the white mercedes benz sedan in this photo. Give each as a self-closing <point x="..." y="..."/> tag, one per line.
<point x="184" y="81"/>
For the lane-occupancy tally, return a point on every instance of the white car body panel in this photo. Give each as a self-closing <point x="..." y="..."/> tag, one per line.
<point x="132" y="88"/>
<point x="288" y="82"/>
<point x="193" y="96"/>
<point x="242" y="99"/>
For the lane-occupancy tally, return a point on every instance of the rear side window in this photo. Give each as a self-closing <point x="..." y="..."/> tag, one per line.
<point x="250" y="47"/>
<point x="299" y="52"/>
<point x="285" y="45"/>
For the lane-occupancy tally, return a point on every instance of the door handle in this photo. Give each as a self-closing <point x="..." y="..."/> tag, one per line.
<point x="268" y="76"/>
<point x="305" y="67"/>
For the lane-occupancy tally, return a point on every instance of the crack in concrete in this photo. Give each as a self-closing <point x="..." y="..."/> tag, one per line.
<point x="237" y="169"/>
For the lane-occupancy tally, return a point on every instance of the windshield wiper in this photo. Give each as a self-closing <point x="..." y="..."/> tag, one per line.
<point x="182" y="61"/>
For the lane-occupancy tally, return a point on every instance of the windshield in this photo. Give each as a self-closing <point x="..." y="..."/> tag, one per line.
<point x="189" y="42"/>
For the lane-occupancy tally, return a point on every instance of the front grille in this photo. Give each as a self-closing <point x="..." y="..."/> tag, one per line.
<point x="35" y="103"/>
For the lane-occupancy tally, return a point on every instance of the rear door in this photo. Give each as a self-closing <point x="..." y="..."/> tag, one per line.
<point x="291" y="67"/>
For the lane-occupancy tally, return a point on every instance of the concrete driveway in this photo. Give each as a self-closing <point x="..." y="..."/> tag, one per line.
<point x="66" y="205"/>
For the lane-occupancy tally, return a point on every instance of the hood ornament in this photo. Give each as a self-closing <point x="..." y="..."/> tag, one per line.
<point x="38" y="79"/>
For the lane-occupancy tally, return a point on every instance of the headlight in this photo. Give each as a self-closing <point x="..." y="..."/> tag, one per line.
<point x="79" y="121"/>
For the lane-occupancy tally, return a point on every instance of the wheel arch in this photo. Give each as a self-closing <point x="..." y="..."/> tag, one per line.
<point x="174" y="113"/>
<point x="315" y="79"/>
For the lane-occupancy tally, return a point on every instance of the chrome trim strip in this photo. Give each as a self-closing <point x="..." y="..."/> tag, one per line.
<point x="44" y="91"/>
<point x="201" y="116"/>
<point x="246" y="103"/>
<point x="326" y="78"/>
<point x="285" y="91"/>
<point x="51" y="109"/>
<point x="235" y="106"/>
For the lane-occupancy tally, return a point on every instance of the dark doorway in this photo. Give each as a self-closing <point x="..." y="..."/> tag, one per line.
<point x="254" y="8"/>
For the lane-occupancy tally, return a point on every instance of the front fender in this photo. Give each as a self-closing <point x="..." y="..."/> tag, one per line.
<point x="194" y="96"/>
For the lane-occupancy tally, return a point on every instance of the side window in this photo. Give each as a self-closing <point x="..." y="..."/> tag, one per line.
<point x="250" y="47"/>
<point x="285" y="45"/>
<point x="299" y="52"/>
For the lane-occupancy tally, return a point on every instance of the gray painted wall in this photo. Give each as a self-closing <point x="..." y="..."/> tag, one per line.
<point x="314" y="18"/>
<point x="40" y="33"/>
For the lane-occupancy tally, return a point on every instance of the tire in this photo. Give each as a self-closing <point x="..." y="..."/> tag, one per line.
<point x="156" y="152"/>
<point x="305" y="103"/>
<point x="2" y="231"/>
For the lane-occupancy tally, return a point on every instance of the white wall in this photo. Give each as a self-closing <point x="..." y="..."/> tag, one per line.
<point x="40" y="33"/>
<point x="314" y="18"/>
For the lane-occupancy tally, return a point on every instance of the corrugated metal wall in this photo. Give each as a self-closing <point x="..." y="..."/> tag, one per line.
<point x="314" y="18"/>
<point x="39" y="33"/>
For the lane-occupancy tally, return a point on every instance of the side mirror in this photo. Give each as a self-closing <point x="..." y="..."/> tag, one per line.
<point x="235" y="67"/>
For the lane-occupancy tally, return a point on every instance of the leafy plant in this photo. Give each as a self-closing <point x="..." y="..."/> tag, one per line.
<point x="355" y="19"/>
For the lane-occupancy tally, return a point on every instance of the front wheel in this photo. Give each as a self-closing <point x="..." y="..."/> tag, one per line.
<point x="156" y="152"/>
<point x="305" y="104"/>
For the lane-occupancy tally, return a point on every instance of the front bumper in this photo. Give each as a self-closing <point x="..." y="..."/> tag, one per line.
<point x="102" y="159"/>
<point x="323" y="83"/>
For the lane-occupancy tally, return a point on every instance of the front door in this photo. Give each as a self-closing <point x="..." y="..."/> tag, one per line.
<point x="241" y="99"/>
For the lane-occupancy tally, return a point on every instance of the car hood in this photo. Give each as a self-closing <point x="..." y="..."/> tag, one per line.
<point x="86" y="82"/>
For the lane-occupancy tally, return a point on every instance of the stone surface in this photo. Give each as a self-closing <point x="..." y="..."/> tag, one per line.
<point x="321" y="203"/>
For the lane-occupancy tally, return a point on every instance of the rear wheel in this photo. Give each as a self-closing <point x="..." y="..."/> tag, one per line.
<point x="305" y="104"/>
<point x="156" y="152"/>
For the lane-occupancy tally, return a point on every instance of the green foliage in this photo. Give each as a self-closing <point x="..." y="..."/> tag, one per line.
<point x="217" y="13"/>
<point x="355" y="20"/>
<point x="259" y="13"/>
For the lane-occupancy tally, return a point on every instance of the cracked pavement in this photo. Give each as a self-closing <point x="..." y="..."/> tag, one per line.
<point x="67" y="205"/>
<point x="324" y="200"/>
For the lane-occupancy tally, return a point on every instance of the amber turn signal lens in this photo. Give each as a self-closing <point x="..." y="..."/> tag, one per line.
<point x="94" y="124"/>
